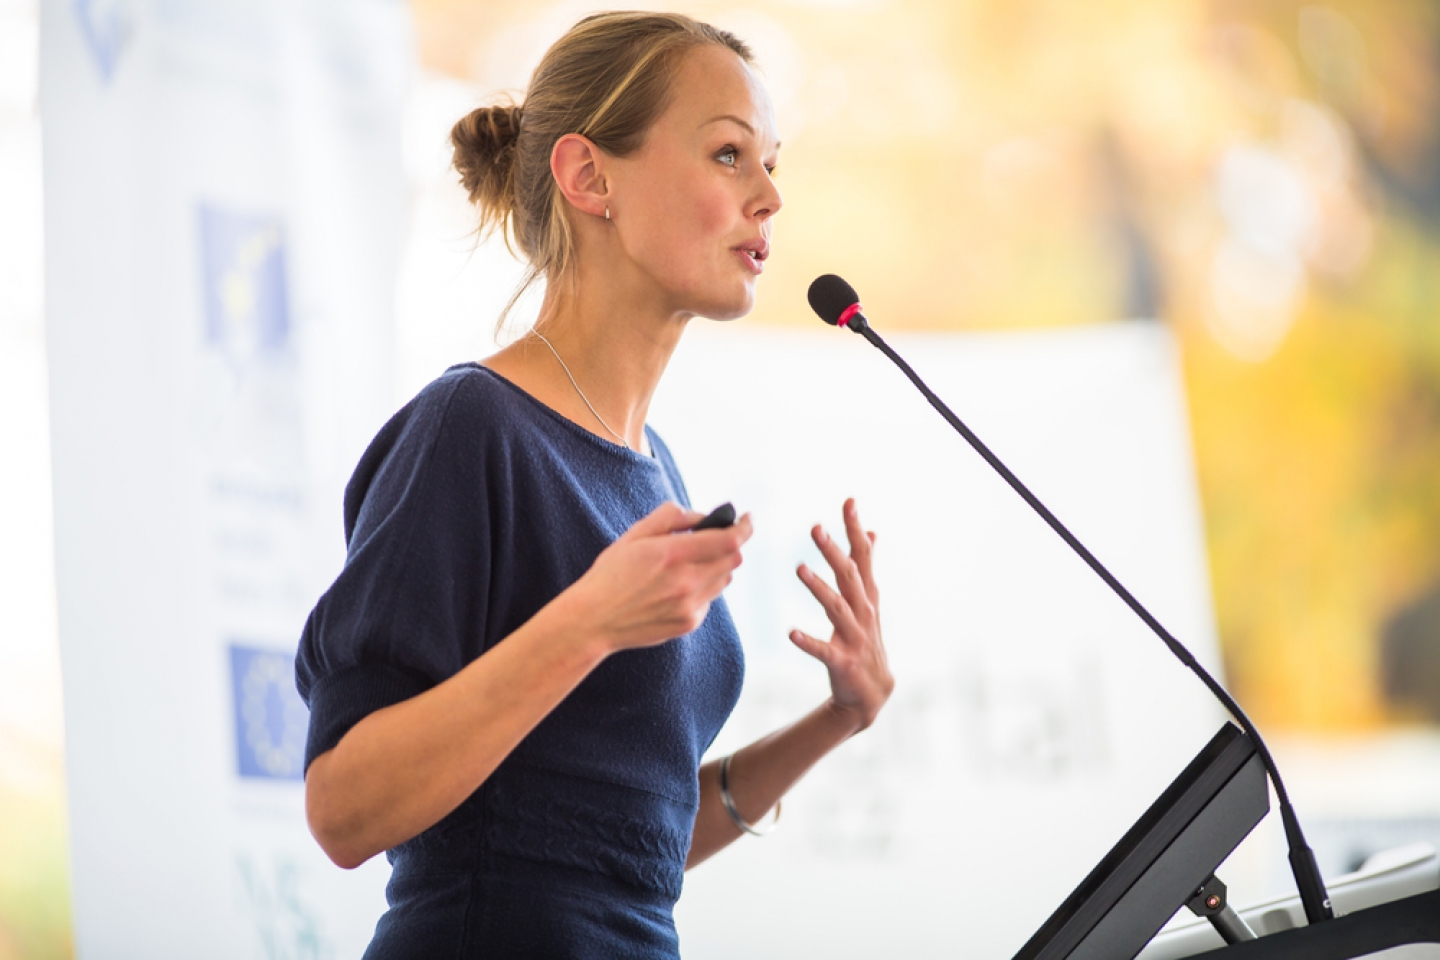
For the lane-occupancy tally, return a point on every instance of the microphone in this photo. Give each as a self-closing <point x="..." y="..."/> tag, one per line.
<point x="838" y="305"/>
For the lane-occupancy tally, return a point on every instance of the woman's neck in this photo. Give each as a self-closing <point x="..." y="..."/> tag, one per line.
<point x="615" y="354"/>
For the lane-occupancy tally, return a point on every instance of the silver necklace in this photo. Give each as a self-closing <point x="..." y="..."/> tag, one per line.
<point x="579" y="391"/>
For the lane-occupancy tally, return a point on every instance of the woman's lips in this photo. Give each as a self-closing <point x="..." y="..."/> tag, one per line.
<point x="752" y="263"/>
<point x="754" y="253"/>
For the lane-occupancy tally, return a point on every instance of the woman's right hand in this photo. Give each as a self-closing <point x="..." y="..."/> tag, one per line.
<point x="656" y="582"/>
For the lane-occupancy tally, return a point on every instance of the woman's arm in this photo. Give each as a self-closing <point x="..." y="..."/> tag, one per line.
<point x="401" y="769"/>
<point x="860" y="683"/>
<point x="761" y="774"/>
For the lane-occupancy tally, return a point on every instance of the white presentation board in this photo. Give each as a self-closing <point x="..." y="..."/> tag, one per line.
<point x="1035" y="716"/>
<point x="224" y="204"/>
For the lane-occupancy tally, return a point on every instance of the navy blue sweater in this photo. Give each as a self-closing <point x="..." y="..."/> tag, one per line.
<point x="472" y="508"/>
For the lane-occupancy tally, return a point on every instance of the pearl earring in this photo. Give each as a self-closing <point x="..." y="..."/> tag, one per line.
<point x="607" y="213"/>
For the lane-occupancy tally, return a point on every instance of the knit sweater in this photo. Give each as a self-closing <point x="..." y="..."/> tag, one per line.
<point x="473" y="507"/>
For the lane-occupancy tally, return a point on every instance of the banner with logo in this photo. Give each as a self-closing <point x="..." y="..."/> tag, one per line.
<point x="224" y="210"/>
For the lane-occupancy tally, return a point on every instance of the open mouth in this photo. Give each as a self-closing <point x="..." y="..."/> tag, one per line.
<point x="755" y="252"/>
<point x="754" y="260"/>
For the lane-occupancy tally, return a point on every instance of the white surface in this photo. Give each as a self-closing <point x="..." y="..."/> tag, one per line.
<point x="1035" y="717"/>
<point x="1392" y="875"/>
<point x="197" y="477"/>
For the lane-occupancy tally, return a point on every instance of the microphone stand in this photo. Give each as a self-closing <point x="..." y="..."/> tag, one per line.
<point x="1308" y="881"/>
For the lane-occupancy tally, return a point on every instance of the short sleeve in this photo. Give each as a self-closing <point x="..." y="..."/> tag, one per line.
<point x="408" y="609"/>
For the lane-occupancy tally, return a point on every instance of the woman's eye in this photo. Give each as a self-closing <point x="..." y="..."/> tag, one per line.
<point x="729" y="156"/>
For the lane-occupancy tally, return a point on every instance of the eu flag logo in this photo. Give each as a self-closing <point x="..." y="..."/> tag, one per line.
<point x="246" y="309"/>
<point x="107" y="26"/>
<point x="270" y="718"/>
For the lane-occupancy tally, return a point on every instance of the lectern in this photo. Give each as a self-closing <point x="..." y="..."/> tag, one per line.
<point x="1168" y="860"/>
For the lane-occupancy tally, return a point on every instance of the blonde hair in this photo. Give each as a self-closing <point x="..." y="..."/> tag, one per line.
<point x="607" y="79"/>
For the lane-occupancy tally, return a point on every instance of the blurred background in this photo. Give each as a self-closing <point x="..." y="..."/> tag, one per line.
<point x="1262" y="179"/>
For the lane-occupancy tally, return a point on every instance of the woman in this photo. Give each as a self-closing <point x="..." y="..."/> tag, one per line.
<point x="515" y="676"/>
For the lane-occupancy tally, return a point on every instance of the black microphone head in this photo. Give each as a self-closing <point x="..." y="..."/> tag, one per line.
<point x="830" y="297"/>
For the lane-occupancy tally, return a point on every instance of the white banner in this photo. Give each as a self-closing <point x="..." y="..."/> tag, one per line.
<point x="224" y="210"/>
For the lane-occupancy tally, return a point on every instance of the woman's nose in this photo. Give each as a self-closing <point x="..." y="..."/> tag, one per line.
<point x="769" y="202"/>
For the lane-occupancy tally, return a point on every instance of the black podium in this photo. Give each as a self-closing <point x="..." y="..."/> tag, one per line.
<point x="1168" y="860"/>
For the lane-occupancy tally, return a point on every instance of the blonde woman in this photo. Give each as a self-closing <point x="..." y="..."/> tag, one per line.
<point x="515" y="676"/>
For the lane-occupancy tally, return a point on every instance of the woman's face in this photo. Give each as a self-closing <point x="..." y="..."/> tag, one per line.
<point x="693" y="205"/>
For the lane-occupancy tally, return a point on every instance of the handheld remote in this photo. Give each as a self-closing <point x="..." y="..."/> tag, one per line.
<point x="719" y="518"/>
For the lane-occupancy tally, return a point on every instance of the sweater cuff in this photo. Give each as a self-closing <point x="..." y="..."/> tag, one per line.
<point x="340" y="700"/>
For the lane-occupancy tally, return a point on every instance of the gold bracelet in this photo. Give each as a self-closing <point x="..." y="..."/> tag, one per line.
<point x="729" y="803"/>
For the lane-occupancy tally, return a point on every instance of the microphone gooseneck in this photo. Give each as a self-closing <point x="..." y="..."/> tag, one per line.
<point x="838" y="305"/>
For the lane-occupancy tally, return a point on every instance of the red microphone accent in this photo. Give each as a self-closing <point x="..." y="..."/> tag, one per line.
<point x="849" y="313"/>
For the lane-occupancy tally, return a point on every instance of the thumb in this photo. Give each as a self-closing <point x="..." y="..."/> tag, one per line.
<point x="669" y="517"/>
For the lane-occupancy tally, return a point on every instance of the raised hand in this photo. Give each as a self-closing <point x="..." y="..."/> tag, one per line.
<point x="860" y="679"/>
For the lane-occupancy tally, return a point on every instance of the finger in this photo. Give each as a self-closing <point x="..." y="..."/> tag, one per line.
<point x="716" y="575"/>
<point x="666" y="518"/>
<point x="711" y="590"/>
<point x="818" y="649"/>
<point x="835" y="606"/>
<point x="708" y="546"/>
<point x="738" y="532"/>
<point x="698" y="617"/>
<point x="860" y="546"/>
<point x="847" y="575"/>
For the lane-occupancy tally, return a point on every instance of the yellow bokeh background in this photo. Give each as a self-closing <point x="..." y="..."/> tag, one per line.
<point x="34" y="875"/>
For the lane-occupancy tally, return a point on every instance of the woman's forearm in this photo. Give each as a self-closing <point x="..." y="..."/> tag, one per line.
<point x="402" y="769"/>
<point x="762" y="773"/>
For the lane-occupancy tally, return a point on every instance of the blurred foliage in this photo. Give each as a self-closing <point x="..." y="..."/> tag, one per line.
<point x="34" y="872"/>
<point x="1263" y="175"/>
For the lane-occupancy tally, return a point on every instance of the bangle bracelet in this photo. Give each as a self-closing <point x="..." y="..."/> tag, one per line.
<point x="729" y="803"/>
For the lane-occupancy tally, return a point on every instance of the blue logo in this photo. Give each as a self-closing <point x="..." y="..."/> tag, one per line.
<point x="107" y="28"/>
<point x="270" y="718"/>
<point x="246" y="307"/>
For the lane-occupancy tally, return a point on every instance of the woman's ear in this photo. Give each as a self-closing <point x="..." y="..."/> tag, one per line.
<point x="578" y="167"/>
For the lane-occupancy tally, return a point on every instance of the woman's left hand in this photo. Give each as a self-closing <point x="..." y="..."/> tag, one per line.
<point x="860" y="680"/>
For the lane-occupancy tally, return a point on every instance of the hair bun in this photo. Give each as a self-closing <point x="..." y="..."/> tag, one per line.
<point x="484" y="142"/>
